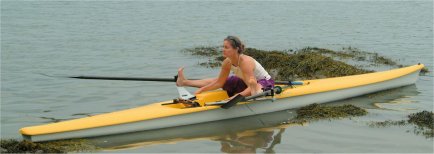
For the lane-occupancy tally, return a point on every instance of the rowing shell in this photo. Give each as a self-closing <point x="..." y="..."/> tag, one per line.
<point x="168" y="114"/>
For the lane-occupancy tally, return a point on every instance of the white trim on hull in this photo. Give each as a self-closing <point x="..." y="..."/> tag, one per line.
<point x="258" y="107"/>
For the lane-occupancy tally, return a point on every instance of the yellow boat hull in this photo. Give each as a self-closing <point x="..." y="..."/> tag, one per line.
<point x="157" y="115"/>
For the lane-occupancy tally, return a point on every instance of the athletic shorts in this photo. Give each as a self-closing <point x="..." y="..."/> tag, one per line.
<point x="234" y="85"/>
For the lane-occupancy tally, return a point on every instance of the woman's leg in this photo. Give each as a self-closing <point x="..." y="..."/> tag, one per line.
<point x="234" y="85"/>
<point x="182" y="81"/>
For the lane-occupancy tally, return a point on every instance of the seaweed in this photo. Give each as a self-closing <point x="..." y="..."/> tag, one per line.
<point x="315" y="112"/>
<point x="423" y="122"/>
<point x="424" y="71"/>
<point x="63" y="146"/>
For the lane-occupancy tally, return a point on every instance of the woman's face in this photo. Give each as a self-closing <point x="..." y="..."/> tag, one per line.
<point x="228" y="50"/>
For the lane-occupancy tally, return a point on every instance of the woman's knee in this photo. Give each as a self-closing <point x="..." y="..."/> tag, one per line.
<point x="252" y="81"/>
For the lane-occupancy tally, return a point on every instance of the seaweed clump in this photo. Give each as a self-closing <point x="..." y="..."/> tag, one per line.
<point x="211" y="52"/>
<point x="423" y="121"/>
<point x="355" y="54"/>
<point x="64" y="146"/>
<point x="301" y="64"/>
<point x="424" y="71"/>
<point x="203" y="51"/>
<point x="317" y="112"/>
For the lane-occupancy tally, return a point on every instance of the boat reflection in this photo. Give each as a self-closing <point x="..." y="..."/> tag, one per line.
<point x="264" y="140"/>
<point x="239" y="134"/>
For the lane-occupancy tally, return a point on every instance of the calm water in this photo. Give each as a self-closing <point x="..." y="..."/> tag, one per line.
<point x="144" y="39"/>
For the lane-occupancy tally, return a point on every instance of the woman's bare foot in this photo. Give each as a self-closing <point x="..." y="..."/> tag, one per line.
<point x="181" y="78"/>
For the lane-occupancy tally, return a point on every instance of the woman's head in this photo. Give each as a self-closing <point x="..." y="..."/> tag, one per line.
<point x="232" y="43"/>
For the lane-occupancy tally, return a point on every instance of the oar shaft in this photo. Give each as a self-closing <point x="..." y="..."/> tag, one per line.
<point x="289" y="82"/>
<point x="125" y="78"/>
<point x="258" y="95"/>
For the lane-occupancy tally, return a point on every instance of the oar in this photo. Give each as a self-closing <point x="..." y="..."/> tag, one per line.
<point x="127" y="78"/>
<point x="160" y="79"/>
<point x="239" y="98"/>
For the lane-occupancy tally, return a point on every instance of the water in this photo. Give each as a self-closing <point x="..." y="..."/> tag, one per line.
<point x="144" y="39"/>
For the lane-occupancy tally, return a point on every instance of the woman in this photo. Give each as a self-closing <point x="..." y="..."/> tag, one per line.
<point x="249" y="76"/>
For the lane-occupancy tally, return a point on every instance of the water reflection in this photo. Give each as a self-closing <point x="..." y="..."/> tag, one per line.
<point x="250" y="143"/>
<point x="235" y="135"/>
<point x="398" y="99"/>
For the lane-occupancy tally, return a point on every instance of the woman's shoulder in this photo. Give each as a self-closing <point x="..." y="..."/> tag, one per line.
<point x="247" y="59"/>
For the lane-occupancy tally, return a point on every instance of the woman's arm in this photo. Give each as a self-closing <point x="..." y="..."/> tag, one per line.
<point x="224" y="73"/>
<point x="247" y="67"/>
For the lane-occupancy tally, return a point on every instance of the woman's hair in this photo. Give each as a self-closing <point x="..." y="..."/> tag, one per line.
<point x="236" y="43"/>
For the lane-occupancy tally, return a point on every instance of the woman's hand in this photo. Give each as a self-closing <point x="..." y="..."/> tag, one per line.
<point x="198" y="91"/>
